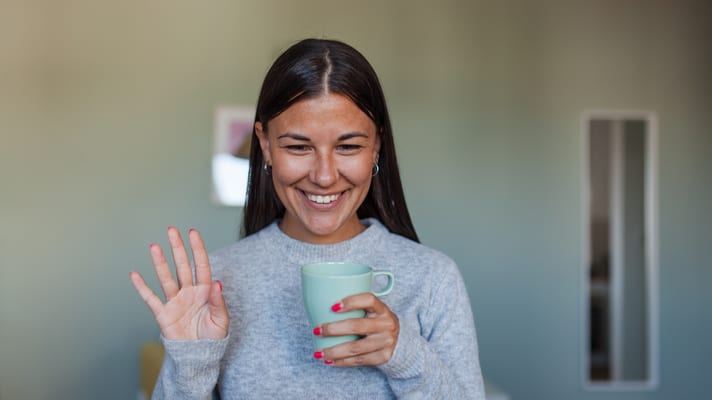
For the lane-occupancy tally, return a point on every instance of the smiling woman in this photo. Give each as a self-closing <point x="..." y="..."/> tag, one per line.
<point x="322" y="152"/>
<point x="307" y="71"/>
<point x="324" y="187"/>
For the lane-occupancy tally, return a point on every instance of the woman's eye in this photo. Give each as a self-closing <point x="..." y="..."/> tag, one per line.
<point x="297" y="147"/>
<point x="349" y="147"/>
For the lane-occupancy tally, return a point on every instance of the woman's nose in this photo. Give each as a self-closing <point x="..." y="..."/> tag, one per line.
<point x="325" y="172"/>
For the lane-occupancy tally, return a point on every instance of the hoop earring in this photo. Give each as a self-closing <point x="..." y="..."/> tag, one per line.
<point x="376" y="169"/>
<point x="267" y="169"/>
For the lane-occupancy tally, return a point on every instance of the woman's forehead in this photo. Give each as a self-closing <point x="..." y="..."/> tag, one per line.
<point x="333" y="112"/>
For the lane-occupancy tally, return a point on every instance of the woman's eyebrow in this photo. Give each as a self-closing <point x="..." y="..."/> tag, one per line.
<point x="294" y="136"/>
<point x="351" y="135"/>
<point x="345" y="136"/>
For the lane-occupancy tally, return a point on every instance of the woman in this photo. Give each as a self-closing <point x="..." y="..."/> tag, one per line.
<point x="324" y="186"/>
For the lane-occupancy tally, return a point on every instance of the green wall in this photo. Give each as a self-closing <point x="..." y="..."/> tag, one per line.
<point x="105" y="136"/>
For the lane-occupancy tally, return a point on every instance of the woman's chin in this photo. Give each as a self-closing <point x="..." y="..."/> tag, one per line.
<point x="325" y="234"/>
<point x="330" y="232"/>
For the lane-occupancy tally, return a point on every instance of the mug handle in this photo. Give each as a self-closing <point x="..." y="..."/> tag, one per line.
<point x="389" y="285"/>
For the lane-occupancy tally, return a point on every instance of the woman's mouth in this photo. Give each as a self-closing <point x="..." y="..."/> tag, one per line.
<point x="319" y="199"/>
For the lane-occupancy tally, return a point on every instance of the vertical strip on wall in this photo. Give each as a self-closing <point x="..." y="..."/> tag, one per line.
<point x="617" y="180"/>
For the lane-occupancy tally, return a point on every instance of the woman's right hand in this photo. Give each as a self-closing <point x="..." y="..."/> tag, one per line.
<point x="193" y="310"/>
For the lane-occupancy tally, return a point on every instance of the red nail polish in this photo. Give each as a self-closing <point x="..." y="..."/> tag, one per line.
<point x="317" y="331"/>
<point x="318" y="355"/>
<point x="219" y="284"/>
<point x="337" y="307"/>
<point x="328" y="362"/>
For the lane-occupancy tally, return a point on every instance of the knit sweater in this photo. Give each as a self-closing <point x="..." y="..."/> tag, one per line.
<point x="268" y="353"/>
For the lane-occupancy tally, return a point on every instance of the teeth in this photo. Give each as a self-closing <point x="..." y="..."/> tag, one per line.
<point x="322" y="199"/>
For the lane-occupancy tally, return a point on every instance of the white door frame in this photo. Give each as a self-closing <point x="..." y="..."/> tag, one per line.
<point x="651" y="248"/>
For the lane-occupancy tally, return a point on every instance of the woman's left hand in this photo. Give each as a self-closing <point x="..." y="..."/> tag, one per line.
<point x="379" y="329"/>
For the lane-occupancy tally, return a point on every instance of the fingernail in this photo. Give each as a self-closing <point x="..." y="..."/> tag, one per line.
<point x="219" y="284"/>
<point x="317" y="331"/>
<point x="150" y="246"/>
<point x="337" y="307"/>
<point x="318" y="355"/>
<point x="190" y="230"/>
<point x="328" y="362"/>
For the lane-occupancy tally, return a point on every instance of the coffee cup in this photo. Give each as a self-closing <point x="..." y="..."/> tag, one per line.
<point x="326" y="283"/>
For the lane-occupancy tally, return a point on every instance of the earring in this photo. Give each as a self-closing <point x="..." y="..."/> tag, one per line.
<point x="376" y="169"/>
<point x="267" y="169"/>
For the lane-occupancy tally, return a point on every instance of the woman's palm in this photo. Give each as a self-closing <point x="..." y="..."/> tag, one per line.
<point x="193" y="310"/>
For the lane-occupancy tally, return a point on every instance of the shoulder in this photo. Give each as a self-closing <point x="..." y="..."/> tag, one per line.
<point x="416" y="257"/>
<point x="408" y="248"/>
<point x="241" y="253"/>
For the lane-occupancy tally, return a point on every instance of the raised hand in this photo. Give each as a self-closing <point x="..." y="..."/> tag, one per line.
<point x="379" y="329"/>
<point x="193" y="310"/>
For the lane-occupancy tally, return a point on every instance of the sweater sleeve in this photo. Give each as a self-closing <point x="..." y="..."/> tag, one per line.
<point x="190" y="369"/>
<point x="441" y="361"/>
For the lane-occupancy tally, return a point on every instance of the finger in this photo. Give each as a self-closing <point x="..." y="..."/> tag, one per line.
<point x="200" y="258"/>
<point x="371" y="359"/>
<point x="360" y="326"/>
<point x="361" y="347"/>
<point x="362" y="301"/>
<point x="217" y="307"/>
<point x="363" y="352"/>
<point x="163" y="272"/>
<point x="180" y="257"/>
<point x="350" y="326"/>
<point x="150" y="298"/>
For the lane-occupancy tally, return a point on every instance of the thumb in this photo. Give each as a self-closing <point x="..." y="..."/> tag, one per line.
<point x="217" y="307"/>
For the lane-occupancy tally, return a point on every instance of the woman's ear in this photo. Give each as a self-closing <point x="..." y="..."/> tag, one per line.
<point x="264" y="143"/>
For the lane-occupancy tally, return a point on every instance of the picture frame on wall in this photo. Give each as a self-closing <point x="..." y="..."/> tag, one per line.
<point x="231" y="153"/>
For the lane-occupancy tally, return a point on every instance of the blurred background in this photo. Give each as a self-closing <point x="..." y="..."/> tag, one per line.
<point x="106" y="133"/>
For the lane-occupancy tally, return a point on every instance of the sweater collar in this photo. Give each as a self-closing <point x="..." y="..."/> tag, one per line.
<point x="352" y="250"/>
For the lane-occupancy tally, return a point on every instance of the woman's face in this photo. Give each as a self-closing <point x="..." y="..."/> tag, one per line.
<point x="322" y="152"/>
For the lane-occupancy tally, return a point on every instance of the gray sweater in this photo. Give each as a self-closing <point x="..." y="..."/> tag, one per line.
<point x="268" y="353"/>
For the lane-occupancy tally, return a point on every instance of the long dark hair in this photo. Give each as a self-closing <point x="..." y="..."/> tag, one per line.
<point x="307" y="70"/>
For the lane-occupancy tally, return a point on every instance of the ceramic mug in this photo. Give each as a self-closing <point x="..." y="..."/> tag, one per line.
<point x="326" y="283"/>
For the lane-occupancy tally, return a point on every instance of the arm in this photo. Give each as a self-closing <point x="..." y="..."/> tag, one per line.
<point x="190" y="369"/>
<point x="193" y="320"/>
<point x="444" y="361"/>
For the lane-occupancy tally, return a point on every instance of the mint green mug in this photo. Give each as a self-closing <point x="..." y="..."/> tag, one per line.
<point x="326" y="283"/>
